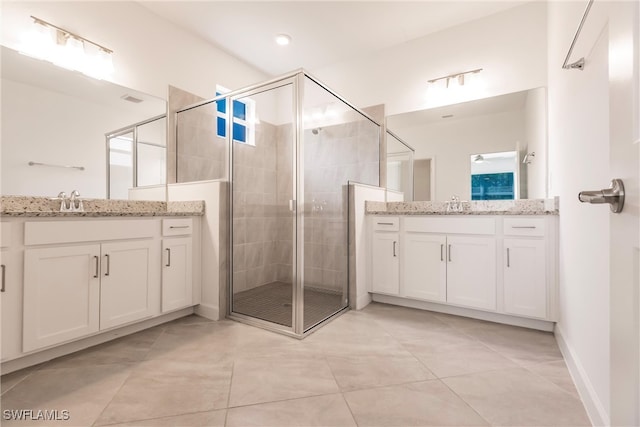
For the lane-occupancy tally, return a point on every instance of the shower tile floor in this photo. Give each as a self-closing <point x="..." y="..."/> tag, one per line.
<point x="272" y="302"/>
<point x="382" y="366"/>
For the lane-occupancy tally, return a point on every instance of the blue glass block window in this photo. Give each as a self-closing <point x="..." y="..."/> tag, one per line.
<point x="240" y="129"/>
<point x="492" y="186"/>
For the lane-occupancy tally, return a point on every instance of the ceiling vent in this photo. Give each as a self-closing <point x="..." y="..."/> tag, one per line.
<point x="130" y="98"/>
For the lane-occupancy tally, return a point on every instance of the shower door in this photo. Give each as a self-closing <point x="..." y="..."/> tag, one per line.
<point x="261" y="123"/>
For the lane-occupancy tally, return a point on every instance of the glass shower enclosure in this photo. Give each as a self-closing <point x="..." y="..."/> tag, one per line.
<point x="293" y="146"/>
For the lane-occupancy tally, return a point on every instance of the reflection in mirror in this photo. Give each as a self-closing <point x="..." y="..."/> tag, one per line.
<point x="494" y="176"/>
<point x="59" y="118"/>
<point x="399" y="166"/>
<point x="446" y="137"/>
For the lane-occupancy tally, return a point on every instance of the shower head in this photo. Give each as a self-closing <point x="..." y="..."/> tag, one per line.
<point x="316" y="131"/>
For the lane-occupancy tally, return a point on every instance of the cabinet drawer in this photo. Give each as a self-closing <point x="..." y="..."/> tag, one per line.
<point x="456" y="225"/>
<point x="384" y="223"/>
<point x="524" y="227"/>
<point x="177" y="227"/>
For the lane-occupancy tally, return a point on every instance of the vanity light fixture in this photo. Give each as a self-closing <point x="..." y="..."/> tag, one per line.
<point x="456" y="79"/>
<point x="283" y="39"/>
<point x="66" y="49"/>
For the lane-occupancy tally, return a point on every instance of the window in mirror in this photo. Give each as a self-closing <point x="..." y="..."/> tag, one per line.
<point x="494" y="176"/>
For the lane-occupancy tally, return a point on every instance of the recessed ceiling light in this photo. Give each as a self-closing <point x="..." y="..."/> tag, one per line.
<point x="283" y="39"/>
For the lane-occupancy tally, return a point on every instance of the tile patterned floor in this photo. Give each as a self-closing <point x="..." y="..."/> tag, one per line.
<point x="382" y="366"/>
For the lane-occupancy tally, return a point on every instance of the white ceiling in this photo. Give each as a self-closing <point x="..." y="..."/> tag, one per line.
<point x="323" y="32"/>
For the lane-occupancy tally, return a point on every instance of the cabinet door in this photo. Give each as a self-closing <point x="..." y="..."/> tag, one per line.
<point x="385" y="265"/>
<point x="11" y="300"/>
<point x="471" y="271"/>
<point x="177" y="271"/>
<point x="61" y="294"/>
<point x="130" y="287"/>
<point x="424" y="266"/>
<point x="525" y="285"/>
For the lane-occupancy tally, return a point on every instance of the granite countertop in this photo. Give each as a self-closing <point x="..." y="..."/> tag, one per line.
<point x="28" y="206"/>
<point x="484" y="207"/>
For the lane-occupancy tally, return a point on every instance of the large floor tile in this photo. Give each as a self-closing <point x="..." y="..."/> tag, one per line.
<point x="517" y="397"/>
<point x="428" y="403"/>
<point x="462" y="359"/>
<point x="436" y="340"/>
<point x="161" y="388"/>
<point x="557" y="373"/>
<point x="260" y="380"/>
<point x="199" y="419"/>
<point x="83" y="391"/>
<point x="322" y="411"/>
<point x="8" y="381"/>
<point x="360" y="372"/>
<point x="524" y="346"/>
<point x="128" y="349"/>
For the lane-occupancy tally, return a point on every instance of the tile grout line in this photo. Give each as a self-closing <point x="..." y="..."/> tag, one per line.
<point x="465" y="402"/>
<point x="127" y="378"/>
<point x="344" y="399"/>
<point x="226" y="413"/>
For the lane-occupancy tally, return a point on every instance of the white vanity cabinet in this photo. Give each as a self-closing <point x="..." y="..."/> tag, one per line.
<point x="61" y="294"/>
<point x="443" y="266"/>
<point x="471" y="271"/>
<point x="74" y="289"/>
<point x="472" y="265"/>
<point x="177" y="272"/>
<point x="385" y="262"/>
<point x="525" y="267"/>
<point x="424" y="266"/>
<point x="11" y="261"/>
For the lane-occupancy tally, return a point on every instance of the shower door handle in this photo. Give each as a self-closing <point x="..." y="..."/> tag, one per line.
<point x="292" y="205"/>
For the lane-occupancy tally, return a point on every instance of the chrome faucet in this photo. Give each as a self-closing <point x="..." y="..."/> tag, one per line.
<point x="454" y="204"/>
<point x="65" y="203"/>
<point x="75" y="202"/>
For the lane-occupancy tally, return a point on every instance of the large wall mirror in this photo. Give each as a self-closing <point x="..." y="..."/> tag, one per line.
<point x="488" y="149"/>
<point x="63" y="131"/>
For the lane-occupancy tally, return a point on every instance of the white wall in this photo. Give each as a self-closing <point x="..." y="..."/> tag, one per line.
<point x="536" y="138"/>
<point x="510" y="47"/>
<point x="451" y="142"/>
<point x="50" y="127"/>
<point x="579" y="160"/>
<point x="149" y="52"/>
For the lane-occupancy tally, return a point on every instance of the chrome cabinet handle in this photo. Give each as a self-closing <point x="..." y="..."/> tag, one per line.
<point x="168" y="264"/>
<point x="96" y="258"/>
<point x="508" y="260"/>
<point x="108" y="265"/>
<point x="449" y="253"/>
<point x="394" y="248"/>
<point x="523" y="226"/>
<point x="178" y="226"/>
<point x="442" y="252"/>
<point x="385" y="223"/>
<point x="4" y="267"/>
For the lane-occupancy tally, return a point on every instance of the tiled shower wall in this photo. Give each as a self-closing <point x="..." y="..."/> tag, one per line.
<point x="263" y="224"/>
<point x="333" y="156"/>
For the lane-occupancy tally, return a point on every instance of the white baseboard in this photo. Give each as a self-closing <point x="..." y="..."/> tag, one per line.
<point x="45" y="355"/>
<point x="208" y="311"/>
<point x="541" y="325"/>
<point x="362" y="301"/>
<point x="595" y="409"/>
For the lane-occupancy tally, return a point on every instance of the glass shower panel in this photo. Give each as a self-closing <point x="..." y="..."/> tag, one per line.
<point x="120" y="165"/>
<point x="201" y="143"/>
<point x="151" y="155"/>
<point x="263" y="233"/>
<point x="339" y="145"/>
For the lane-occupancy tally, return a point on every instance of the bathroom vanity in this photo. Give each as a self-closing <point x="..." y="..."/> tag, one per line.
<point x="491" y="260"/>
<point x="71" y="280"/>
